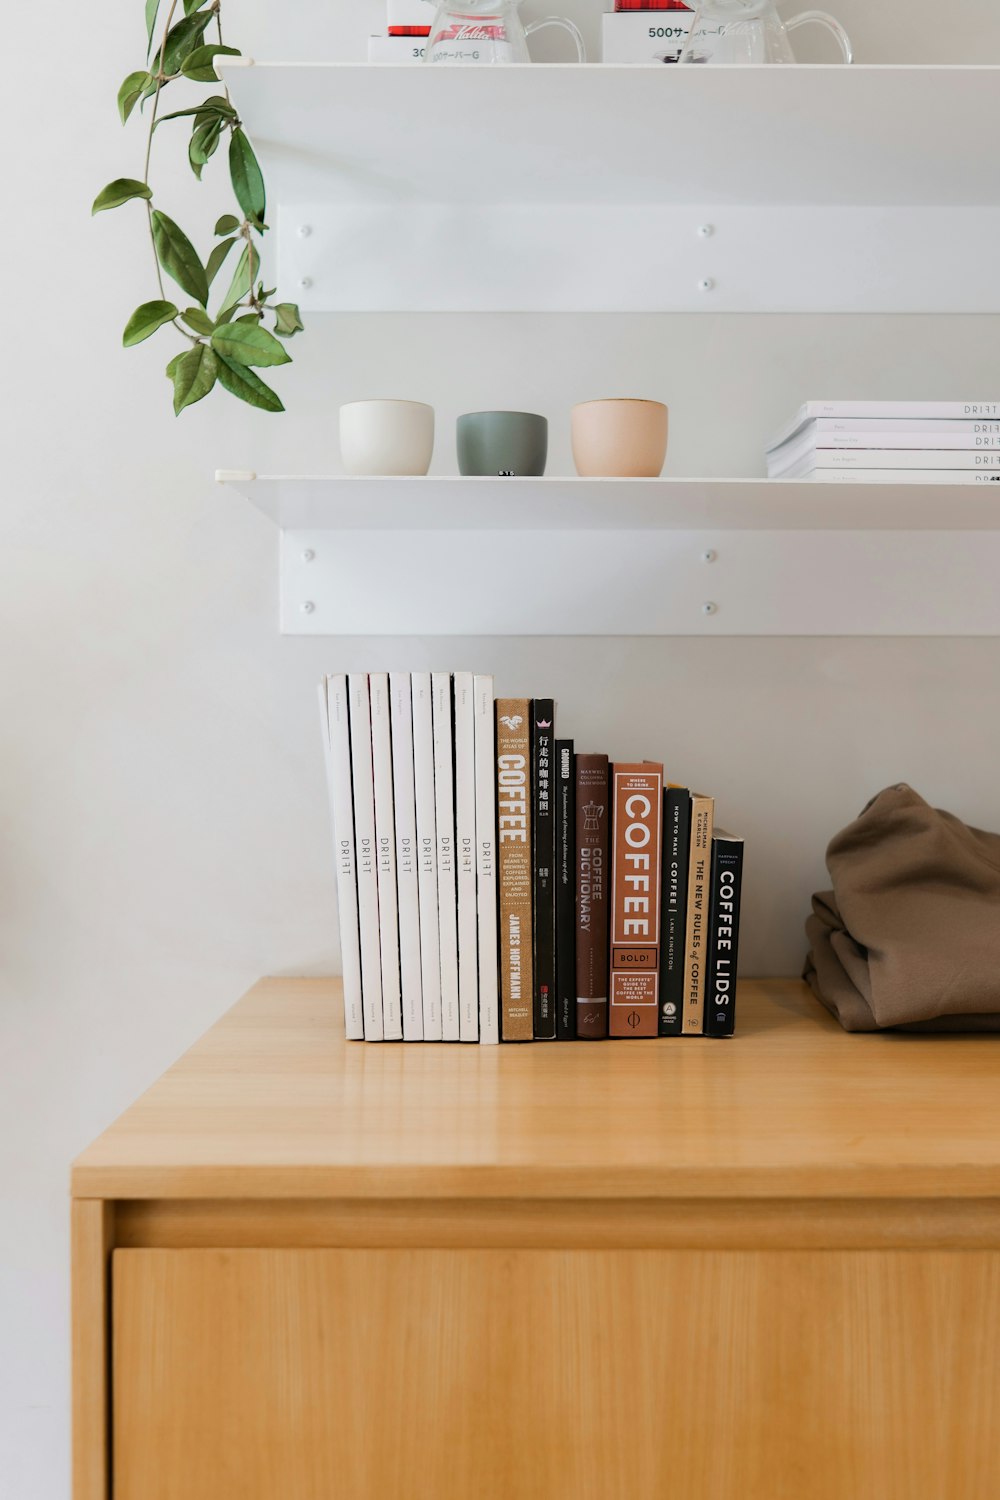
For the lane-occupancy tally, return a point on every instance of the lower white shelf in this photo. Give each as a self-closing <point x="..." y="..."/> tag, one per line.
<point x="455" y="556"/>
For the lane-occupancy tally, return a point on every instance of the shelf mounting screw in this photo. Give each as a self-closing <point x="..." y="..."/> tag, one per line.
<point x="305" y="282"/>
<point x="308" y="607"/>
<point x="709" y="607"/>
<point x="709" y="555"/>
<point x="305" y="230"/>
<point x="706" y="284"/>
<point x="705" y="231"/>
<point x="308" y="555"/>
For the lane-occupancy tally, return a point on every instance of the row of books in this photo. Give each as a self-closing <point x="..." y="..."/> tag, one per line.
<point x="890" y="442"/>
<point x="495" y="885"/>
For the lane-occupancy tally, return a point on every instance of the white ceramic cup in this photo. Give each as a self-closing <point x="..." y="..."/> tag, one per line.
<point x="386" y="437"/>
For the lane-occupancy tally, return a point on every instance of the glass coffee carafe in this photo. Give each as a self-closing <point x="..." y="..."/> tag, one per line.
<point x="487" y="31"/>
<point x="750" y="31"/>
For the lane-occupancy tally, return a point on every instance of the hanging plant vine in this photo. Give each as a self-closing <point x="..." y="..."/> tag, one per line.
<point x="228" y="347"/>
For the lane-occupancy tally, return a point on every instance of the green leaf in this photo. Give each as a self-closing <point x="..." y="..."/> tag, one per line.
<point x="248" y="184"/>
<point x="243" y="279"/>
<point x="122" y="190"/>
<point x="228" y="224"/>
<point x="192" y="5"/>
<point x="202" y="144"/>
<point x="218" y="255"/>
<point x="208" y="109"/>
<point x="152" y="6"/>
<point x="198" y="320"/>
<point x="242" y="382"/>
<point x="249" y="345"/>
<point x="131" y="91"/>
<point x="178" y="257"/>
<point x="199" y="65"/>
<point x="193" y="375"/>
<point x="146" y="320"/>
<point x="183" y="38"/>
<point x="288" y="320"/>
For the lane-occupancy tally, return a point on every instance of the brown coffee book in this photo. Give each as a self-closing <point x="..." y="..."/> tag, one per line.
<point x="637" y="815"/>
<point x="515" y="872"/>
<point x="592" y="896"/>
<point x="695" y="952"/>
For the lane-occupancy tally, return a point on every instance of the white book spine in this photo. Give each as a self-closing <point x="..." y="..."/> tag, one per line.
<point x="385" y="854"/>
<point x="407" y="883"/>
<point x="363" y="784"/>
<point x="336" y="732"/>
<point x="902" y="476"/>
<point x="465" y="858"/>
<point x="895" y="458"/>
<point x="423" y="777"/>
<point x="444" y="814"/>
<point x="815" y="441"/>
<point x="925" y="430"/>
<point x="486" y="853"/>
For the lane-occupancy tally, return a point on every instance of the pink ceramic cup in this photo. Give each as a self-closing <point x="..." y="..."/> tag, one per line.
<point x="619" y="439"/>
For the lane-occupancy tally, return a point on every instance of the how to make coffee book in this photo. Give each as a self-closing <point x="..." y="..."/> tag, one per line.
<point x="494" y="884"/>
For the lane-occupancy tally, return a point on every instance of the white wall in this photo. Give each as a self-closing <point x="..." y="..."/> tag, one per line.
<point x="163" y="835"/>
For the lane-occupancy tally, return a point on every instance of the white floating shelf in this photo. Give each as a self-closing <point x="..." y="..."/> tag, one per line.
<point x="456" y="556"/>
<point x="589" y="188"/>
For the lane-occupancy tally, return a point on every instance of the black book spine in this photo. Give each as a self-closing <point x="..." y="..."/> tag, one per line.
<point x="544" y="852"/>
<point x="565" y="782"/>
<point x="676" y="860"/>
<point x="723" y="935"/>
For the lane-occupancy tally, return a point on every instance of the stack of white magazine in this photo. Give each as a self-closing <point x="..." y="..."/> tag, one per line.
<point x="410" y="771"/>
<point x="890" y="442"/>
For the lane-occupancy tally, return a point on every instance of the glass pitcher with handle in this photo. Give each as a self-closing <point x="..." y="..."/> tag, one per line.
<point x="487" y="31"/>
<point x="750" y="31"/>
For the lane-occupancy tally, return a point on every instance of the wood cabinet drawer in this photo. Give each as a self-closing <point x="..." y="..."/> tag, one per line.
<point x="565" y="1374"/>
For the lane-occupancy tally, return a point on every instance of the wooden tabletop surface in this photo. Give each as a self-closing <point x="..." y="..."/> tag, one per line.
<point x="272" y="1102"/>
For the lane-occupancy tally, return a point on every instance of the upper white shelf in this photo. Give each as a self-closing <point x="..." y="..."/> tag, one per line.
<point x="489" y="189"/>
<point x="864" y="136"/>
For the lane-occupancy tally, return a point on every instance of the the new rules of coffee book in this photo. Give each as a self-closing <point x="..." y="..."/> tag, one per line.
<point x="637" y="802"/>
<point x="674" y="897"/>
<point x="591" y="897"/>
<point x="513" y="762"/>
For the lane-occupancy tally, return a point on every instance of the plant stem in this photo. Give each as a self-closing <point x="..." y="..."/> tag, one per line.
<point x="145" y="169"/>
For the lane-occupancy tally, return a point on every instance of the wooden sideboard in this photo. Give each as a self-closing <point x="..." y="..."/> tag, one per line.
<point x="763" y="1269"/>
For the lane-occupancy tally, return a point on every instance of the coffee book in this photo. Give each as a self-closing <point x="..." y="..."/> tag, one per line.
<point x="336" y="735"/>
<point x="543" y="848"/>
<point x="465" y="858"/>
<point x="513" y="783"/>
<point x="486" y="859"/>
<point x="565" y="783"/>
<point x="637" y="803"/>
<point x="363" y="792"/>
<point x="592" y="896"/>
<point x="702" y="822"/>
<point x="674" y="898"/>
<point x="385" y="857"/>
<point x="427" y="883"/>
<point x="407" y="889"/>
<point x="723" y="942"/>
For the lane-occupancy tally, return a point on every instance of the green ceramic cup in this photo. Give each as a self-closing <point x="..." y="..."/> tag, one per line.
<point x="502" y="442"/>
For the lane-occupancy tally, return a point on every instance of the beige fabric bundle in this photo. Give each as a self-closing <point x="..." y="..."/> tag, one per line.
<point x="909" y="936"/>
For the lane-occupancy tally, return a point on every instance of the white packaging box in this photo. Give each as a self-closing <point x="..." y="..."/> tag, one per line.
<point x="396" y="49"/>
<point x="645" y="36"/>
<point x="409" y="13"/>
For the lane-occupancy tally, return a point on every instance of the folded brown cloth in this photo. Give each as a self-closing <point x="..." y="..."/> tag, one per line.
<point x="909" y="937"/>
